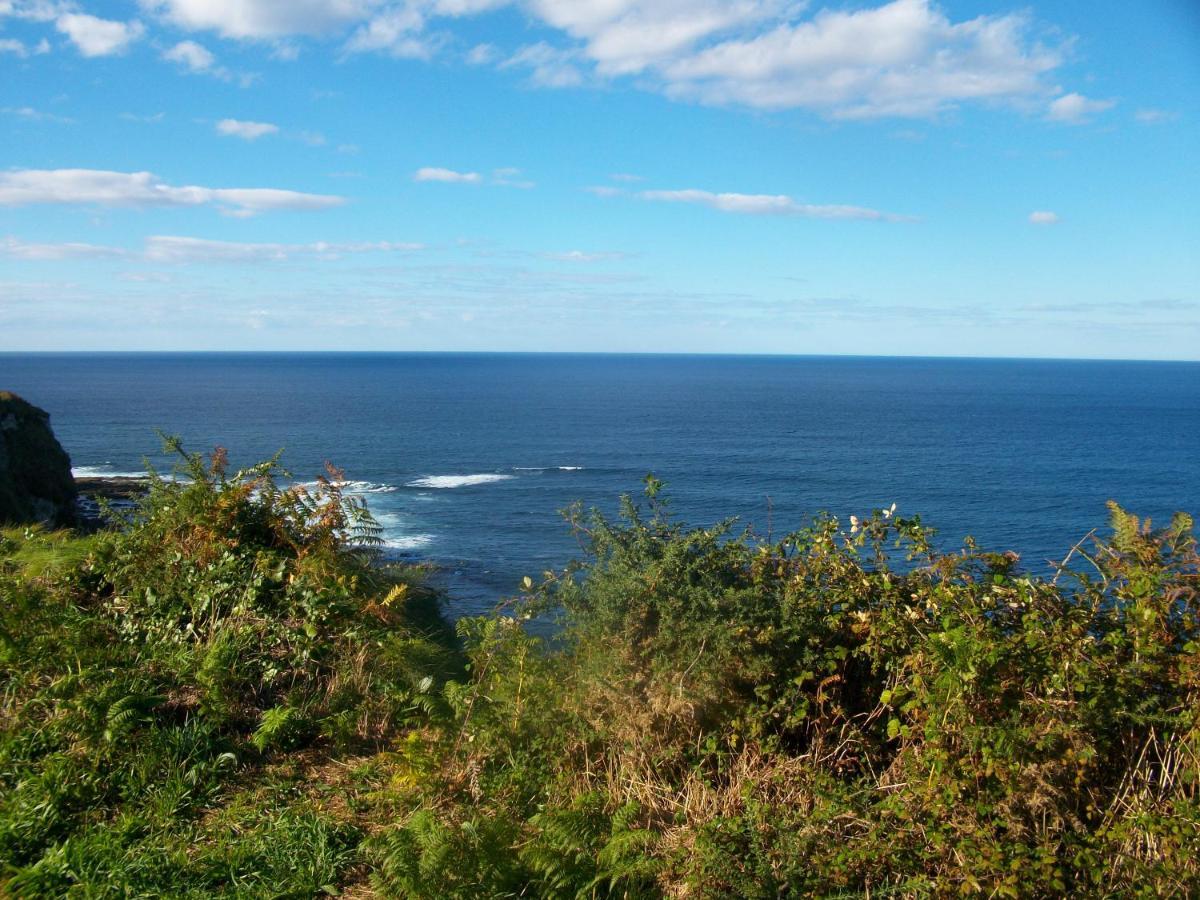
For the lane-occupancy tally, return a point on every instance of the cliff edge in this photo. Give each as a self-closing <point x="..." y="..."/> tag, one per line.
<point x="35" y="472"/>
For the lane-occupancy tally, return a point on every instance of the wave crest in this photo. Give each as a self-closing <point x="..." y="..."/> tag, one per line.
<point x="455" y="481"/>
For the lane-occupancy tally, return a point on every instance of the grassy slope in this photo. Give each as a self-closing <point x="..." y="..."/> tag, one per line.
<point x="194" y="705"/>
<point x="225" y="698"/>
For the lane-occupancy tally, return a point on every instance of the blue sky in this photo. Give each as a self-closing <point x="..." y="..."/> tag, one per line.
<point x="980" y="179"/>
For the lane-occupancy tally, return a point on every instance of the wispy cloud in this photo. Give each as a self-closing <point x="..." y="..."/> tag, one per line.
<point x="436" y="173"/>
<point x="142" y="189"/>
<point x="1043" y="217"/>
<point x="170" y="249"/>
<point x="197" y="59"/>
<point x="19" y="49"/>
<point x="150" y="119"/>
<point x="768" y="205"/>
<point x="511" y="177"/>
<point x="548" y="66"/>
<point x="166" y="249"/>
<point x="34" y="115"/>
<point x="482" y="55"/>
<point x="247" y="131"/>
<point x="15" y="248"/>
<point x="1076" y="109"/>
<point x="583" y="256"/>
<point x="1155" y="116"/>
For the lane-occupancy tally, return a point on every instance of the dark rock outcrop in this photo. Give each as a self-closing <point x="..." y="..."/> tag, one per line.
<point x="115" y="492"/>
<point x="35" y="472"/>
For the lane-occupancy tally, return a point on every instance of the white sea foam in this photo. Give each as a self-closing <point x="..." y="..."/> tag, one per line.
<point x="104" y="472"/>
<point x="455" y="481"/>
<point x="408" y="541"/>
<point x="570" y="468"/>
<point x="354" y="487"/>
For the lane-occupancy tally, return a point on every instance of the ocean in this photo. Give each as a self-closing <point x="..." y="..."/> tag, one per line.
<point x="467" y="459"/>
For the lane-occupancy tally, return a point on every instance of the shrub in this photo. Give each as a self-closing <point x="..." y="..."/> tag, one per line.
<point x="155" y="676"/>
<point x="841" y="712"/>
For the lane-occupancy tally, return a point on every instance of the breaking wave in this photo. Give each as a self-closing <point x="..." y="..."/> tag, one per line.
<point x="456" y="481"/>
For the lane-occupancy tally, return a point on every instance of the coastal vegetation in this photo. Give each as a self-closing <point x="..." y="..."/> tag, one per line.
<point x="227" y="693"/>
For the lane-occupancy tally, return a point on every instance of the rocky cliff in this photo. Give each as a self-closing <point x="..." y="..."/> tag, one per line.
<point x="35" y="472"/>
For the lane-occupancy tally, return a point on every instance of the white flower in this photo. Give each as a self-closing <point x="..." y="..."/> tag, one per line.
<point x="853" y="524"/>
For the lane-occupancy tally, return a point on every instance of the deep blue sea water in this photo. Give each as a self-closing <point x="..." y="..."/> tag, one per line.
<point x="467" y="458"/>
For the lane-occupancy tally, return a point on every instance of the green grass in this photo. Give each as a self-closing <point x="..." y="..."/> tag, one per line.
<point x="173" y="692"/>
<point x="34" y="553"/>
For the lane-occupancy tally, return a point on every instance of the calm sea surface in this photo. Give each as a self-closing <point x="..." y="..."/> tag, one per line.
<point x="467" y="458"/>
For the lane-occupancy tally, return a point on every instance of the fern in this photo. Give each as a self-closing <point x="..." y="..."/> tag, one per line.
<point x="279" y="728"/>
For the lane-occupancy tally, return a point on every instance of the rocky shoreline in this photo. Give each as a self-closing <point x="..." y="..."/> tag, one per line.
<point x="117" y="492"/>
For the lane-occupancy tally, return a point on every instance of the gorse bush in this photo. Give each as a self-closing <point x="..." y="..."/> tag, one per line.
<point x="839" y="713"/>
<point x="230" y="694"/>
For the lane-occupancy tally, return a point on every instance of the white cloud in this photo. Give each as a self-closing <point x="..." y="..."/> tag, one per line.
<point x="396" y="31"/>
<point x="1154" y="116"/>
<point x="482" y="55"/>
<point x="168" y="249"/>
<point x="433" y="173"/>
<point x="1076" y="109"/>
<point x="13" y="46"/>
<point x="511" y="177"/>
<point x="604" y="190"/>
<point x="767" y="205"/>
<point x="192" y="56"/>
<point x="247" y="131"/>
<point x="548" y="66"/>
<point x="23" y="187"/>
<point x="35" y="10"/>
<point x="174" y="249"/>
<point x="582" y="256"/>
<point x="199" y="60"/>
<point x="625" y="177"/>
<point x="14" y="248"/>
<point x="1043" y="217"/>
<point x="34" y="115"/>
<point x="467" y="7"/>
<point x="904" y="58"/>
<point x="98" y="37"/>
<point x="285" y="52"/>
<point x="263" y="18"/>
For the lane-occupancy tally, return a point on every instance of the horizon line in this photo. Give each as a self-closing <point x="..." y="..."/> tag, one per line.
<point x="597" y="353"/>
